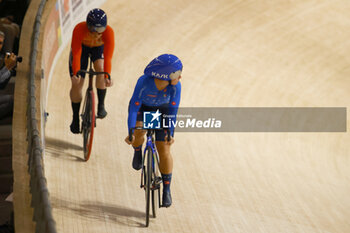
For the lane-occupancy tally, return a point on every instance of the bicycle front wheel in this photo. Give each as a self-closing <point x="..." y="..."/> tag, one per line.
<point x="88" y="123"/>
<point x="148" y="184"/>
<point x="156" y="181"/>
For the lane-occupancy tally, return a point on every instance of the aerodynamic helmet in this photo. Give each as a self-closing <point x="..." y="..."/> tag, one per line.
<point x="165" y="67"/>
<point x="96" y="20"/>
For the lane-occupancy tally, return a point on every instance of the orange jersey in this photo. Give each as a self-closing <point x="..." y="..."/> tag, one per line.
<point x="82" y="35"/>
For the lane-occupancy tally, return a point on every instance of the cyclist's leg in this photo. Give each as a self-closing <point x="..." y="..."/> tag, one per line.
<point x="139" y="139"/>
<point x="165" y="157"/>
<point x="139" y="135"/>
<point x="166" y="166"/>
<point x="76" y="91"/>
<point x="97" y="58"/>
<point x="137" y="145"/>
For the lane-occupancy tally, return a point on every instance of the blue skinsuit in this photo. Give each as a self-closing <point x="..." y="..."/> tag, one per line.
<point x="146" y="93"/>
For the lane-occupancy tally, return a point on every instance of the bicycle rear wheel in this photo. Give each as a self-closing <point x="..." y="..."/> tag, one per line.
<point x="148" y="183"/>
<point x="88" y="123"/>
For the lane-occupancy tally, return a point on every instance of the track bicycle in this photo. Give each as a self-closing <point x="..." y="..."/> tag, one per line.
<point x="88" y="113"/>
<point x="150" y="174"/>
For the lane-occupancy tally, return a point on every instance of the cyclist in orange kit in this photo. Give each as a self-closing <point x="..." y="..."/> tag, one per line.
<point x="92" y="38"/>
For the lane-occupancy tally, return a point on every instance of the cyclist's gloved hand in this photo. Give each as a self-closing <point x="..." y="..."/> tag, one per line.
<point x="76" y="79"/>
<point x="108" y="82"/>
<point x="128" y="141"/>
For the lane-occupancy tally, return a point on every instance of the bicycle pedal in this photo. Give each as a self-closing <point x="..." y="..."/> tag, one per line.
<point x="156" y="183"/>
<point x="158" y="180"/>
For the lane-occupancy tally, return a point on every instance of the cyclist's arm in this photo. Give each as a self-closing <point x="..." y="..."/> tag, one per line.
<point x="135" y="103"/>
<point x="108" y="39"/>
<point x="174" y="105"/>
<point x="77" y="39"/>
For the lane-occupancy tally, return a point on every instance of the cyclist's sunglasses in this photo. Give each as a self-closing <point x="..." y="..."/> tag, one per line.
<point x="96" y="29"/>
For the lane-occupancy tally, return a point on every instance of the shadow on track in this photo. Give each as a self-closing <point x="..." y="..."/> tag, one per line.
<point x="103" y="212"/>
<point x="60" y="148"/>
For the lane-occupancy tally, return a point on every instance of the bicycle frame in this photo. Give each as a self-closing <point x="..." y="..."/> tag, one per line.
<point x="150" y="174"/>
<point x="90" y="87"/>
<point x="88" y="113"/>
<point x="150" y="144"/>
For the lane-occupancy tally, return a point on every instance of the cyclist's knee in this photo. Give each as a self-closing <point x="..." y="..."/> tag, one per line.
<point x="139" y="134"/>
<point x="98" y="65"/>
<point x="139" y="138"/>
<point x="163" y="149"/>
<point x="78" y="85"/>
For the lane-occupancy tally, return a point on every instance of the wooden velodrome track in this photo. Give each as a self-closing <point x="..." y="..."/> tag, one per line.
<point x="235" y="54"/>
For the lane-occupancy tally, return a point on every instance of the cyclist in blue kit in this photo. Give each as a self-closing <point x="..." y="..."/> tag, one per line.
<point x="158" y="89"/>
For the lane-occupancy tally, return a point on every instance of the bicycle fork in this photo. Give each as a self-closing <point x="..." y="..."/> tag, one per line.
<point x="157" y="180"/>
